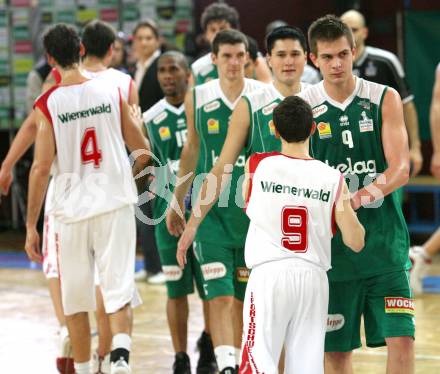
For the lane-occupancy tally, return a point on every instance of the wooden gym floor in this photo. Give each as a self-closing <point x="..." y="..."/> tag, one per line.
<point x="28" y="327"/>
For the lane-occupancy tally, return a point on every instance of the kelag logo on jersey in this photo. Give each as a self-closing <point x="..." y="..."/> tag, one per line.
<point x="359" y="167"/>
<point x="213" y="126"/>
<point x="324" y="130"/>
<point x="164" y="133"/>
<point x="241" y="160"/>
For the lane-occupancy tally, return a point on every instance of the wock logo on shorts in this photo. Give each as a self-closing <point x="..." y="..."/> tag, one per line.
<point x="399" y="305"/>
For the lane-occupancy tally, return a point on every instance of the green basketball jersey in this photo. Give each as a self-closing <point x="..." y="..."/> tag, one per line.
<point x="226" y="223"/>
<point x="348" y="138"/>
<point x="261" y="103"/>
<point x="166" y="129"/>
<point x="204" y="70"/>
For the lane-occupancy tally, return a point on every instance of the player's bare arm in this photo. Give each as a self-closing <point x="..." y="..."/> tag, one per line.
<point x="412" y="126"/>
<point x="353" y="233"/>
<point x="133" y="96"/>
<point x="38" y="181"/>
<point x="434" y="118"/>
<point x="395" y="146"/>
<point x="235" y="141"/>
<point x="245" y="187"/>
<point x="23" y="140"/>
<point x="262" y="71"/>
<point x="187" y="166"/>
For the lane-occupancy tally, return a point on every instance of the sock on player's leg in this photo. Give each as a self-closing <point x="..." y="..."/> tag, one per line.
<point x="83" y="367"/>
<point x="225" y="356"/>
<point x="238" y="356"/>
<point x="121" y="345"/>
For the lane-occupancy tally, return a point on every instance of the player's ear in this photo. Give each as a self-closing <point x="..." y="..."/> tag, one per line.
<point x="312" y="131"/>
<point x="82" y="49"/>
<point x="268" y="60"/>
<point x="50" y="60"/>
<point x="277" y="134"/>
<point x="214" y="58"/>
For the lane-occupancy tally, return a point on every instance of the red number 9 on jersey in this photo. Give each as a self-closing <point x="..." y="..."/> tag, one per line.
<point x="89" y="148"/>
<point x="294" y="227"/>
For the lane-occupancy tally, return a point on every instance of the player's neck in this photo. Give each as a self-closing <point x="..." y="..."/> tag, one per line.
<point x="297" y="150"/>
<point x="232" y="88"/>
<point x="287" y="89"/>
<point x="93" y="64"/>
<point x="175" y="101"/>
<point x="340" y="91"/>
<point x="71" y="75"/>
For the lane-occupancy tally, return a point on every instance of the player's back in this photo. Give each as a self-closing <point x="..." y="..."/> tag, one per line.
<point x="291" y="207"/>
<point x="93" y="171"/>
<point x="113" y="77"/>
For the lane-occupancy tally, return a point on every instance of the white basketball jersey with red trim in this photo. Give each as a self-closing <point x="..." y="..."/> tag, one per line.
<point x="114" y="77"/>
<point x="93" y="175"/>
<point x="291" y="207"/>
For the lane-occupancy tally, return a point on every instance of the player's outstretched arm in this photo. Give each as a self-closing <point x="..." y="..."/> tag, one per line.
<point x="38" y="180"/>
<point x="217" y="178"/>
<point x="188" y="162"/>
<point x="23" y="140"/>
<point x="395" y="146"/>
<point x="353" y="233"/>
<point x="435" y="126"/>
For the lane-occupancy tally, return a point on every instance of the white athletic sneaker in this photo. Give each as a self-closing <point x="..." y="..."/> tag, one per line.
<point x="419" y="269"/>
<point x="101" y="365"/>
<point x="158" y="278"/>
<point x="140" y="275"/>
<point x="120" y="367"/>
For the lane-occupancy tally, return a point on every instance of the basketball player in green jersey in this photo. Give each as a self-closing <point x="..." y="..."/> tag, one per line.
<point x="219" y="244"/>
<point x="165" y="125"/>
<point x="361" y="132"/>
<point x="251" y="125"/>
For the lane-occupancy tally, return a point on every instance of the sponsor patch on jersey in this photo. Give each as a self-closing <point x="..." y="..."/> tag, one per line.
<point x="268" y="109"/>
<point x="213" y="126"/>
<point x="335" y="322"/>
<point x="365" y="124"/>
<point x="343" y="120"/>
<point x="172" y="272"/>
<point x="159" y="118"/>
<point x="319" y="110"/>
<point x="213" y="270"/>
<point x="324" y="130"/>
<point x="164" y="133"/>
<point x="211" y="106"/>
<point x="271" y="127"/>
<point x="399" y="305"/>
<point x="243" y="274"/>
<point x="181" y="123"/>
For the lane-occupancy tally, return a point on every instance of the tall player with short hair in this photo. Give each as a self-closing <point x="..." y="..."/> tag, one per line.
<point x="219" y="245"/>
<point x="361" y="132"/>
<point x="83" y="125"/>
<point x="165" y="126"/>
<point x="294" y="203"/>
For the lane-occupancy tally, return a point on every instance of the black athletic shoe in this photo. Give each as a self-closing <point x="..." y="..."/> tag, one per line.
<point x="228" y="370"/>
<point x="181" y="364"/>
<point x="207" y="363"/>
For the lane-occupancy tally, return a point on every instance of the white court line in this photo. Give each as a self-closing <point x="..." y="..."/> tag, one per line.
<point x="418" y="357"/>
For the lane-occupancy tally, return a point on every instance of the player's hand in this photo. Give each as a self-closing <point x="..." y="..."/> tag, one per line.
<point x="175" y="218"/>
<point x="416" y="159"/>
<point x="32" y="245"/>
<point x="136" y="114"/>
<point x="184" y="243"/>
<point x="435" y="165"/>
<point x="5" y="180"/>
<point x="355" y="201"/>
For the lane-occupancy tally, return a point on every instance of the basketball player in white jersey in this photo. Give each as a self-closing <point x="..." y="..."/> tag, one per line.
<point x="84" y="124"/>
<point x="293" y="202"/>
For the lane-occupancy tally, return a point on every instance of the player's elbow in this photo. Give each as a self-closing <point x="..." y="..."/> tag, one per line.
<point x="403" y="174"/>
<point x="41" y="169"/>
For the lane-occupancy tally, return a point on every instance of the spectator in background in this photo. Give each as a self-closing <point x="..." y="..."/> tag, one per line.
<point x="310" y="74"/>
<point x="34" y="82"/>
<point x="119" y="57"/>
<point x="381" y="66"/>
<point x="146" y="50"/>
<point x="249" y="68"/>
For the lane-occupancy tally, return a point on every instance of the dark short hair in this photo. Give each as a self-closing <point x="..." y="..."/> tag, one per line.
<point x="252" y="48"/>
<point x="178" y="56"/>
<point x="293" y="119"/>
<point x="62" y="42"/>
<point x="98" y="37"/>
<point x="285" y="32"/>
<point x="219" y="12"/>
<point x="147" y="23"/>
<point x="328" y="29"/>
<point x="229" y="37"/>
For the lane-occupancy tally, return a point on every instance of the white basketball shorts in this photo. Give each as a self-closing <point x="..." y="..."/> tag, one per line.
<point x="285" y="304"/>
